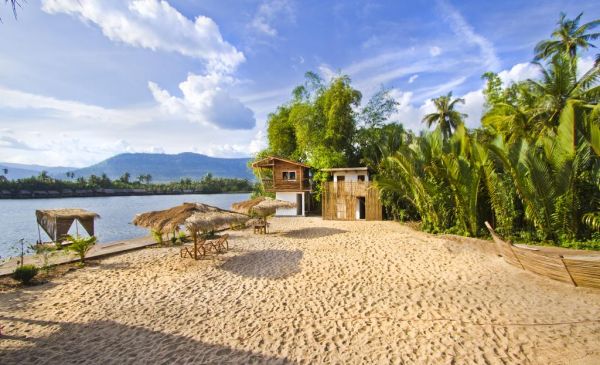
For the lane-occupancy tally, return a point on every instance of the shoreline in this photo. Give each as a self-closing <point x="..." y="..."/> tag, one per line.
<point x="66" y="257"/>
<point x="96" y="193"/>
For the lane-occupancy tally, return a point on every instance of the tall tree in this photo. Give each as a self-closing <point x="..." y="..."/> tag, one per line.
<point x="446" y="117"/>
<point x="567" y="38"/>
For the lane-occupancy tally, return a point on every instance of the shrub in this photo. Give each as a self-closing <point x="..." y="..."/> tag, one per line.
<point x="157" y="234"/>
<point x="182" y="237"/>
<point x="81" y="246"/>
<point x="25" y="273"/>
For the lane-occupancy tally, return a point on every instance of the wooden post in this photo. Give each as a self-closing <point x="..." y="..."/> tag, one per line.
<point x="195" y="245"/>
<point x="562" y="259"/>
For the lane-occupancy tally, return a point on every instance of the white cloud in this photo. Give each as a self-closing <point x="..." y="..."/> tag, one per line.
<point x="270" y="12"/>
<point x="155" y="25"/>
<point x="473" y="107"/>
<point x="584" y="65"/>
<point x="413" y="78"/>
<point x="466" y="32"/>
<point x="15" y="144"/>
<point x="438" y="90"/>
<point x="519" y="72"/>
<point x="206" y="100"/>
<point x="85" y="113"/>
<point x="76" y="134"/>
<point x="435" y="51"/>
<point x="327" y="72"/>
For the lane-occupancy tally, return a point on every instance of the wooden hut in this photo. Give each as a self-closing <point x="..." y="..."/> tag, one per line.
<point x="57" y="222"/>
<point x="289" y="180"/>
<point x="350" y="196"/>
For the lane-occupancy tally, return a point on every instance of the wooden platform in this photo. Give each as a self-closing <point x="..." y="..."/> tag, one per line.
<point x="63" y="257"/>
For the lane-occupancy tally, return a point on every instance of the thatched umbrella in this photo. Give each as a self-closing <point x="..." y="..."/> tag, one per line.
<point x="245" y="207"/>
<point x="269" y="206"/>
<point x="211" y="221"/>
<point x="173" y="218"/>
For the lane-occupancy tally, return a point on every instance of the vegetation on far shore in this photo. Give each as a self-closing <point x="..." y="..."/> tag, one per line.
<point x="207" y="185"/>
<point x="532" y="169"/>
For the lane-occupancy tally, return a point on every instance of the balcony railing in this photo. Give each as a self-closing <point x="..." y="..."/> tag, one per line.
<point x="304" y="184"/>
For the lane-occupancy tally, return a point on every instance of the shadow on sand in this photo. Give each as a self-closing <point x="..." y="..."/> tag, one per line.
<point x="269" y="264"/>
<point x="312" y="232"/>
<point x="108" y="342"/>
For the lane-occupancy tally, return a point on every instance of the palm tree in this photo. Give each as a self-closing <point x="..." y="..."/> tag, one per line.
<point x="445" y="116"/>
<point x="14" y="4"/>
<point x="567" y="38"/>
<point x="560" y="94"/>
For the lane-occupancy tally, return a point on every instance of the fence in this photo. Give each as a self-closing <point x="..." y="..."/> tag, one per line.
<point x="577" y="270"/>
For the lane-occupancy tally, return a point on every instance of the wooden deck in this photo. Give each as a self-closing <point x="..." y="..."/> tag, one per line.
<point x="62" y="257"/>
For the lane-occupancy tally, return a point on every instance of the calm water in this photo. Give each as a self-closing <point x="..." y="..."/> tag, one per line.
<point x="17" y="217"/>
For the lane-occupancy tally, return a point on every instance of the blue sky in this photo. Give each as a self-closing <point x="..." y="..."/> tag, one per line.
<point x="82" y="80"/>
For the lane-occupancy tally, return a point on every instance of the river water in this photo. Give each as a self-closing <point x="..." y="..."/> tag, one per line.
<point x="17" y="216"/>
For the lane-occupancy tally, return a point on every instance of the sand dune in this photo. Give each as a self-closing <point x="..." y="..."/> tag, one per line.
<point x="311" y="292"/>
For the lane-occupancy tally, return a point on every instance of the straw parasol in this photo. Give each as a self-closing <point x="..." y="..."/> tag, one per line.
<point x="171" y="219"/>
<point x="269" y="206"/>
<point x="245" y="207"/>
<point x="210" y="221"/>
<point x="213" y="220"/>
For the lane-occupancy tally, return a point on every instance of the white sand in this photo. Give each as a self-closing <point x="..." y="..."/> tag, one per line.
<point x="312" y="292"/>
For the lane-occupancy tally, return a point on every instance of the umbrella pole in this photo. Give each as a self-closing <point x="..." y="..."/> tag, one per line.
<point x="195" y="246"/>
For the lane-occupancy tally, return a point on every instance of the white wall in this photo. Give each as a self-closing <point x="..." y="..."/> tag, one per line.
<point x="350" y="176"/>
<point x="290" y="197"/>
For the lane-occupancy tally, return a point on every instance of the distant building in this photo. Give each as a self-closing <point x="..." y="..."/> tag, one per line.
<point x="350" y="196"/>
<point x="289" y="180"/>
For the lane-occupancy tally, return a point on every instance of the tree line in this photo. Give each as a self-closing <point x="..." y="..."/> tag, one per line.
<point x="532" y="168"/>
<point x="207" y="185"/>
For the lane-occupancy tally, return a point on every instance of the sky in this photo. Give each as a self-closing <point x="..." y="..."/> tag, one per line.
<point x="83" y="80"/>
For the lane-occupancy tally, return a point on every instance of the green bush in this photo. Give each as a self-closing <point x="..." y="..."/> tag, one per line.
<point x="81" y="245"/>
<point x="25" y="273"/>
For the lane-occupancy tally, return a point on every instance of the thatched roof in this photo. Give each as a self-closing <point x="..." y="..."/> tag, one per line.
<point x="269" y="206"/>
<point x="214" y="220"/>
<point x="246" y="206"/>
<point x="67" y="213"/>
<point x="173" y="218"/>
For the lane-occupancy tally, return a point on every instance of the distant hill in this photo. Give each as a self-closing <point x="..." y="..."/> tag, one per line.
<point x="20" y="171"/>
<point x="164" y="167"/>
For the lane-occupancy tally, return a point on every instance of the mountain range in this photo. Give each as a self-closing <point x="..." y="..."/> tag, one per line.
<point x="162" y="167"/>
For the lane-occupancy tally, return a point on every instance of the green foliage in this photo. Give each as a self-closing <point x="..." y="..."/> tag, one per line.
<point x="81" y="246"/>
<point x="45" y="251"/>
<point x="25" y="273"/>
<point x="158" y="235"/>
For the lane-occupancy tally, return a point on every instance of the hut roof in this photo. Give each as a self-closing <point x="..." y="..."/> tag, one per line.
<point x="269" y="161"/>
<point x="172" y="218"/>
<point x="67" y="213"/>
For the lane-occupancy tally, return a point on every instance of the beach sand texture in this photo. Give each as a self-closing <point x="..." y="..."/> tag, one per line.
<point x="312" y="291"/>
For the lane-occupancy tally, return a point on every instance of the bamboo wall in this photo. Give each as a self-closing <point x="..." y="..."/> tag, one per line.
<point x="339" y="201"/>
<point x="575" y="270"/>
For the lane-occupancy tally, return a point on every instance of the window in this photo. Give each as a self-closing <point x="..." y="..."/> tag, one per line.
<point x="341" y="178"/>
<point x="361" y="178"/>
<point x="289" y="175"/>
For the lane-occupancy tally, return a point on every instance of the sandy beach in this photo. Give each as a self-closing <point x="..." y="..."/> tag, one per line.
<point x="312" y="291"/>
